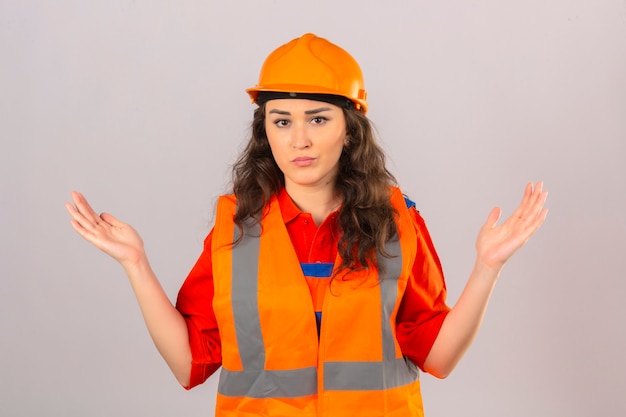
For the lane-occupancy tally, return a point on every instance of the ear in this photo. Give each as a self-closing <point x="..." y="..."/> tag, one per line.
<point x="346" y="141"/>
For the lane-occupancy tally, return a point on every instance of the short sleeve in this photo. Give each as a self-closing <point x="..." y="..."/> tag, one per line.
<point x="195" y="303"/>
<point x="423" y="307"/>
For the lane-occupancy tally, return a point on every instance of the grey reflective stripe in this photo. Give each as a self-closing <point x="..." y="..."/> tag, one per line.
<point x="396" y="371"/>
<point x="268" y="384"/>
<point x="391" y="270"/>
<point x="363" y="376"/>
<point x="245" y="270"/>
<point x="391" y="372"/>
<point x="254" y="381"/>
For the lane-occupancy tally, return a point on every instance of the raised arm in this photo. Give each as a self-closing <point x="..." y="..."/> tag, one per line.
<point x="166" y="325"/>
<point x="494" y="246"/>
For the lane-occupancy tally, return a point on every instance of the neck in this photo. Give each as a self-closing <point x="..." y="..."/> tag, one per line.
<point x="320" y="202"/>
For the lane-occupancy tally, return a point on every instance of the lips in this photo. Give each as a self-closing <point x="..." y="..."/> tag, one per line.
<point x="303" y="161"/>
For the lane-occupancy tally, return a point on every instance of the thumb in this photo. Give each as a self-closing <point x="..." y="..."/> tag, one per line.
<point x="109" y="218"/>
<point x="493" y="217"/>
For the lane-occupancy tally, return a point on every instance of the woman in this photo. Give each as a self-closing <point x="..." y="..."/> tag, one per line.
<point x="318" y="291"/>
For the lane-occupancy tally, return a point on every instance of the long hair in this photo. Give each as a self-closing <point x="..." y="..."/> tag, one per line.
<point x="366" y="218"/>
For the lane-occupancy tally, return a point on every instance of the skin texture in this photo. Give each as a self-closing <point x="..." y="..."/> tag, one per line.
<point x="300" y="129"/>
<point x="495" y="245"/>
<point x="362" y="184"/>
<point x="119" y="240"/>
<point x="307" y="138"/>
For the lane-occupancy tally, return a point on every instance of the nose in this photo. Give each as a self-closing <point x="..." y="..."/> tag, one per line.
<point x="300" y="136"/>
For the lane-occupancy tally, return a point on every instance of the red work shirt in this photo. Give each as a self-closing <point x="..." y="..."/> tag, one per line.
<point x="419" y="317"/>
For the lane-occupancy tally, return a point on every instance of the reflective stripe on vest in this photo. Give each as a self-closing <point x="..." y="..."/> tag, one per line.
<point x="394" y="372"/>
<point x="254" y="381"/>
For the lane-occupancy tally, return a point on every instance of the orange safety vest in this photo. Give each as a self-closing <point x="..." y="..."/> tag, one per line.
<point x="273" y="362"/>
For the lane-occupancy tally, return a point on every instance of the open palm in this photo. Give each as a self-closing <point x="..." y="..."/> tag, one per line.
<point x="104" y="231"/>
<point x="497" y="243"/>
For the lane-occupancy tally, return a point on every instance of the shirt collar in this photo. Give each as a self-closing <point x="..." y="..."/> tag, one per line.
<point x="288" y="208"/>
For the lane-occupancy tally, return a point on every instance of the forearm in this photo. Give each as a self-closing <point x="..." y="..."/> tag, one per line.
<point x="120" y="241"/>
<point x="496" y="243"/>
<point x="165" y="324"/>
<point x="462" y="322"/>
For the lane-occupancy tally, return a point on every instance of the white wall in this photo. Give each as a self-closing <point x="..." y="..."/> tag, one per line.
<point x="141" y="106"/>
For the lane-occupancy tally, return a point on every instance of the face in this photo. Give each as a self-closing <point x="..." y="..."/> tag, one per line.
<point x="306" y="138"/>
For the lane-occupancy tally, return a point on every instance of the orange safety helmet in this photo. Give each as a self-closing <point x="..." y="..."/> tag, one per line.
<point x="311" y="65"/>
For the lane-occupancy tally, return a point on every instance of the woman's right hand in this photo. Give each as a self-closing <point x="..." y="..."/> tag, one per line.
<point x="166" y="325"/>
<point x="104" y="231"/>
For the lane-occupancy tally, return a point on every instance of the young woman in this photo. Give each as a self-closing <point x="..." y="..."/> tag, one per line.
<point x="319" y="291"/>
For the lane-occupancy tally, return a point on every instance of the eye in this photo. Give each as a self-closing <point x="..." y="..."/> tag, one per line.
<point x="281" y="123"/>
<point x="318" y="120"/>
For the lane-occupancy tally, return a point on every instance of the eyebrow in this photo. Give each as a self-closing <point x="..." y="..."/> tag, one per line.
<point x="313" y="111"/>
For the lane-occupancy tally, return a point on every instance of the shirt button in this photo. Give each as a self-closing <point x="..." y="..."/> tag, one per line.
<point x="306" y="221"/>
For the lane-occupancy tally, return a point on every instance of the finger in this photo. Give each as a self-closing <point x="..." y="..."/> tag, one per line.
<point x="111" y="220"/>
<point x="542" y="216"/>
<point x="78" y="227"/>
<point x="493" y="218"/>
<point x="531" y="204"/>
<point x="83" y="214"/>
<point x="528" y="192"/>
<point x="96" y="238"/>
<point x="539" y="219"/>
<point x="536" y="193"/>
<point x="79" y="221"/>
<point x="518" y="213"/>
<point x="536" y="216"/>
<point x="531" y="227"/>
<point x="83" y="207"/>
<point x="76" y="214"/>
<point x="537" y="202"/>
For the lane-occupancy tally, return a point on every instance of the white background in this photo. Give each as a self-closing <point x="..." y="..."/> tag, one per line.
<point x="141" y="106"/>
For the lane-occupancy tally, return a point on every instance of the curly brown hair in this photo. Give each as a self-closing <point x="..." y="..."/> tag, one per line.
<point x="366" y="218"/>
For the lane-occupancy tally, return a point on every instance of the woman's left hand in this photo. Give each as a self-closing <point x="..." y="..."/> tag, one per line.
<point x="496" y="243"/>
